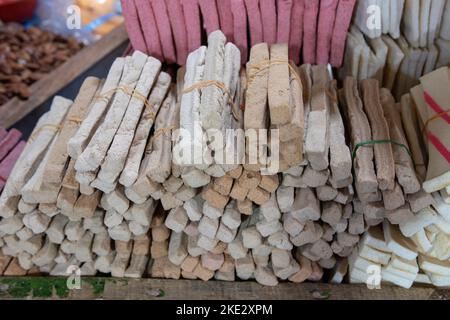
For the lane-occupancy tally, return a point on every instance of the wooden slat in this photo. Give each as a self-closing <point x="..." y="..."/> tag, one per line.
<point x="148" y="289"/>
<point x="200" y="290"/>
<point x="16" y="109"/>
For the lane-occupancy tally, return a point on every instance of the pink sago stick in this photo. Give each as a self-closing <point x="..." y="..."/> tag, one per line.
<point x="149" y="28"/>
<point x="178" y="29"/>
<point x="284" y="20"/>
<point x="343" y="18"/>
<point x="325" y="30"/>
<point x="240" y="27"/>
<point x="191" y="12"/>
<point x="210" y="16"/>
<point x="254" y="21"/>
<point x="296" y="34"/>
<point x="133" y="26"/>
<point x="226" y="19"/>
<point x="309" y="31"/>
<point x="164" y="30"/>
<point x="269" y="18"/>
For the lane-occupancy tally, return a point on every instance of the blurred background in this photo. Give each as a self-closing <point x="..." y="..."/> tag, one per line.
<point x="38" y="36"/>
<point x="86" y="20"/>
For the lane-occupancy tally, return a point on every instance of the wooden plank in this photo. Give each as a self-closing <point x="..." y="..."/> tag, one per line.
<point x="16" y="109"/>
<point x="162" y="289"/>
<point x="200" y="290"/>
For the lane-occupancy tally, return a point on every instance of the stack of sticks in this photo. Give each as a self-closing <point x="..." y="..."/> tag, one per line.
<point x="315" y="197"/>
<point x="315" y="30"/>
<point x="24" y="223"/>
<point x="274" y="111"/>
<point x="421" y="21"/>
<point x="426" y="120"/>
<point x="377" y="17"/>
<point x="214" y="223"/>
<point x="97" y="185"/>
<point x="385" y="255"/>
<point x="407" y="39"/>
<point x="243" y="223"/>
<point x="415" y="251"/>
<point x="66" y="198"/>
<point x="210" y="112"/>
<point x="386" y="182"/>
<point x="157" y="188"/>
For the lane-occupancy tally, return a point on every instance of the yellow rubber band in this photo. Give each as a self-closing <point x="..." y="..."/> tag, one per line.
<point x="52" y="127"/>
<point x="220" y="85"/>
<point x="435" y="117"/>
<point x="157" y="134"/>
<point x="76" y="120"/>
<point x="133" y="94"/>
<point x="265" y="64"/>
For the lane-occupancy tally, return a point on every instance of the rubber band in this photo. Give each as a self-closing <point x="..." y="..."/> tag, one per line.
<point x="157" y="134"/>
<point x="373" y="142"/>
<point x="133" y="94"/>
<point x="332" y="97"/>
<point x="76" y="120"/>
<point x="220" y="85"/>
<point x="419" y="164"/>
<point x="124" y="89"/>
<point x="103" y="98"/>
<point x="435" y="106"/>
<point x="435" y="117"/>
<point x="151" y="116"/>
<point x="264" y="64"/>
<point x="331" y="92"/>
<point x="54" y="127"/>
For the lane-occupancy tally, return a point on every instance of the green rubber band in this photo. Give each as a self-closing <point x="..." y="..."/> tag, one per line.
<point x="372" y="142"/>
